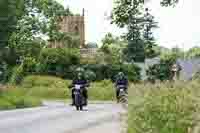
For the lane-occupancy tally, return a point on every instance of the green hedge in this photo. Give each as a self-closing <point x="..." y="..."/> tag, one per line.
<point x="109" y="71"/>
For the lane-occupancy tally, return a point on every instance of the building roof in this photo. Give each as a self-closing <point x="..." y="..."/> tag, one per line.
<point x="189" y="67"/>
<point x="91" y="45"/>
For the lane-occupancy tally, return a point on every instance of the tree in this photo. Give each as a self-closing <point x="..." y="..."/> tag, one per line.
<point x="129" y="13"/>
<point x="112" y="48"/>
<point x="34" y="18"/>
<point x="162" y="71"/>
<point x="169" y="2"/>
<point x="193" y="52"/>
<point x="149" y="41"/>
<point x="11" y="11"/>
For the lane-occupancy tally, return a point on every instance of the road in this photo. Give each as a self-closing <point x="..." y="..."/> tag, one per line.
<point x="57" y="117"/>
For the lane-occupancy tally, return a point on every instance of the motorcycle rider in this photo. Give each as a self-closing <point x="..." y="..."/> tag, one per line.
<point x="80" y="80"/>
<point x="121" y="80"/>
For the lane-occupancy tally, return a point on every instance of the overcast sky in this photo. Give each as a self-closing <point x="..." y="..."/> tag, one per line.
<point x="177" y="26"/>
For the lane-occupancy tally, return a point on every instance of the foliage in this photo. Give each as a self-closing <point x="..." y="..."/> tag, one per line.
<point x="30" y="19"/>
<point x="69" y="40"/>
<point x="193" y="52"/>
<point x="196" y="76"/>
<point x="162" y="71"/>
<point x="109" y="71"/>
<point x="163" y="108"/>
<point x="130" y="14"/>
<point x="11" y="11"/>
<point x="17" y="75"/>
<point x="166" y="3"/>
<point x="24" y="46"/>
<point x="3" y="68"/>
<point x="110" y="39"/>
<point x="90" y="75"/>
<point x="149" y="41"/>
<point x="57" y="61"/>
<point x="28" y="66"/>
<point x="135" y="50"/>
<point x="140" y="38"/>
<point x="112" y="49"/>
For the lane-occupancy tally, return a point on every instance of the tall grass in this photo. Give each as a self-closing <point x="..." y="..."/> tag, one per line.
<point x="103" y="90"/>
<point x="48" y="87"/>
<point x="164" y="107"/>
<point x="17" y="98"/>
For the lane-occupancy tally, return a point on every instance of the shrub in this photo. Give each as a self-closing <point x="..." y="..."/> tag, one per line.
<point x="17" y="75"/>
<point x="162" y="71"/>
<point x="90" y="75"/>
<point x="163" y="108"/>
<point x="57" y="61"/>
<point x="196" y="76"/>
<point x="109" y="71"/>
<point x="29" y="65"/>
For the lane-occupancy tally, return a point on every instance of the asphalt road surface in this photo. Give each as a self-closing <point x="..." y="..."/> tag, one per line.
<point x="57" y="117"/>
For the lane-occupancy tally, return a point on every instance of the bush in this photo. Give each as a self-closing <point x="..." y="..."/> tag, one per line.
<point x="163" y="108"/>
<point x="110" y="71"/>
<point x="18" y="72"/>
<point x="29" y="65"/>
<point x="162" y="71"/>
<point x="57" y="59"/>
<point x="17" y="75"/>
<point x="90" y="75"/>
<point x="196" y="76"/>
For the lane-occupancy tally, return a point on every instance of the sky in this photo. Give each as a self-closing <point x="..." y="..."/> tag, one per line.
<point x="178" y="26"/>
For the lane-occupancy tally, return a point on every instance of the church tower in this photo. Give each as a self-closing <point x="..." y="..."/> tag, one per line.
<point x="76" y="25"/>
<point x="72" y="24"/>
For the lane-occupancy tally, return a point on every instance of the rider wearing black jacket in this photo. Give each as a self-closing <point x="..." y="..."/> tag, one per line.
<point x="79" y="80"/>
<point x="121" y="80"/>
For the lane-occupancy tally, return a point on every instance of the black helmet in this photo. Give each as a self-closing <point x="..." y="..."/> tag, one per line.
<point x="121" y="75"/>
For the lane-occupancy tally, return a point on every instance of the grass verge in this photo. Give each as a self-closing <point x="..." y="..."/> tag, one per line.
<point x="163" y="108"/>
<point x="34" y="88"/>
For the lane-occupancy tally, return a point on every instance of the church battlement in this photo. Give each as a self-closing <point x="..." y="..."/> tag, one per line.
<point x="72" y="24"/>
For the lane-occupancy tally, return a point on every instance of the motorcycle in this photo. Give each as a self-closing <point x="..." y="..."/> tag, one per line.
<point x="79" y="99"/>
<point x="123" y="96"/>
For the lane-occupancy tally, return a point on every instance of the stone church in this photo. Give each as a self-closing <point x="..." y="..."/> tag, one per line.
<point x="72" y="24"/>
<point x="76" y="25"/>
